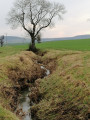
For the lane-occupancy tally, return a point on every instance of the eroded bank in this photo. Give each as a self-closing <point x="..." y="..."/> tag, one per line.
<point x="20" y="72"/>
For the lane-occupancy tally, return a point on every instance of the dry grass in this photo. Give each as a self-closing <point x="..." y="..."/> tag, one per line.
<point x="63" y="95"/>
<point x="66" y="92"/>
<point x="16" y="73"/>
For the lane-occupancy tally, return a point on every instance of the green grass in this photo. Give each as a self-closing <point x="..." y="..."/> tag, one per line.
<point x="6" y="115"/>
<point x="82" y="45"/>
<point x="12" y="49"/>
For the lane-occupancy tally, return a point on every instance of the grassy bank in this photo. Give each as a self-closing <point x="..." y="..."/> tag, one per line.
<point x="66" y="92"/>
<point x="6" y="115"/>
<point x="17" y="69"/>
<point x="5" y="83"/>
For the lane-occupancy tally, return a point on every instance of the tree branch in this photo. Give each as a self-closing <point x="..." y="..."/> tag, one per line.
<point x="50" y="20"/>
<point x="23" y="25"/>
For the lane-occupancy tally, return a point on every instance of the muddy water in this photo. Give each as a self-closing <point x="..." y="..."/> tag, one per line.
<point x="24" y="105"/>
<point x="24" y="101"/>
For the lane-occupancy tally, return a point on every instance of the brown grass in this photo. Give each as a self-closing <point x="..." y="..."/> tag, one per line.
<point x="65" y="94"/>
<point x="16" y="73"/>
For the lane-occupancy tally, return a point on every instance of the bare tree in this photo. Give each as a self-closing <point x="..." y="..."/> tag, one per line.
<point x="33" y="16"/>
<point x="2" y="40"/>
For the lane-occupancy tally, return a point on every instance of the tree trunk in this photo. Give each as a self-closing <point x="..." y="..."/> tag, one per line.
<point x="32" y="45"/>
<point x="1" y="43"/>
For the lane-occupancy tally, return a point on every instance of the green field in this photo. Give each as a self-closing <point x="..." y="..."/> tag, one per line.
<point x="82" y="45"/>
<point x="12" y="49"/>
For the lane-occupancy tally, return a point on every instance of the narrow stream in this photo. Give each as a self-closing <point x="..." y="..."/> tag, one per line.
<point x="47" y="71"/>
<point x="24" y="101"/>
<point x="24" y="104"/>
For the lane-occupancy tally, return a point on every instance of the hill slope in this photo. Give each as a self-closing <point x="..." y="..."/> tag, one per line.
<point x="15" y="39"/>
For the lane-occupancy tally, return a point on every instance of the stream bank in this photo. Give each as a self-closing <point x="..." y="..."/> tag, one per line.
<point x="22" y="70"/>
<point x="24" y="105"/>
<point x="65" y="94"/>
<point x="33" y="95"/>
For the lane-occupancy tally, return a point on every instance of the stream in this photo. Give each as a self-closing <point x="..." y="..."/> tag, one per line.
<point x="24" y="104"/>
<point x="24" y="100"/>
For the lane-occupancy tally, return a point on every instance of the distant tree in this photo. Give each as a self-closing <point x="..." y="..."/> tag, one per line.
<point x="38" y="38"/>
<point x="1" y="40"/>
<point x="34" y="16"/>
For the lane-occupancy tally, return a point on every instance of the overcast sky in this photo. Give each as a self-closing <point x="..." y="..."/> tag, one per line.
<point x="74" y="21"/>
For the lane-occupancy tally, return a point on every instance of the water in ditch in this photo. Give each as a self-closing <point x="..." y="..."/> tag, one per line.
<point x="47" y="71"/>
<point x="24" y="104"/>
<point x="24" y="101"/>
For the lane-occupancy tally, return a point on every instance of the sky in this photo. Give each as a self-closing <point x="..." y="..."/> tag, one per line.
<point x="75" y="20"/>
